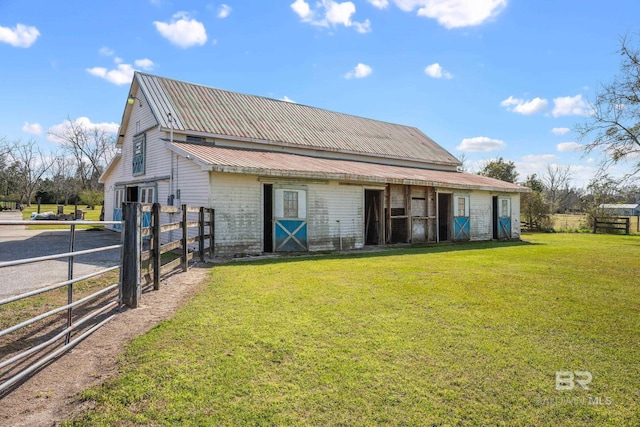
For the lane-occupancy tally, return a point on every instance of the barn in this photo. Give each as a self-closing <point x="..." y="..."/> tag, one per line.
<point x="285" y="177"/>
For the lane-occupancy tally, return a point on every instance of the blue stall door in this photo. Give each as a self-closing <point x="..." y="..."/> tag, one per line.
<point x="461" y="228"/>
<point x="291" y="235"/>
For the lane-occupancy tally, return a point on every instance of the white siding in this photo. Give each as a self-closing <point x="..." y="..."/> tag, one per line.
<point x="335" y="211"/>
<point x="481" y="211"/>
<point x="515" y="216"/>
<point x="237" y="200"/>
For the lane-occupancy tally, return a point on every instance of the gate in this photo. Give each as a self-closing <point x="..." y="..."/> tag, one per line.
<point x="80" y="317"/>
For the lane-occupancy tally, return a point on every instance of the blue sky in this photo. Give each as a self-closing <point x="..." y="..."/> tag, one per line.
<point x="486" y="78"/>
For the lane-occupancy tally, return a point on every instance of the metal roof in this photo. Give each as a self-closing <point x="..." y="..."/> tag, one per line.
<point x="619" y="206"/>
<point x="219" y="112"/>
<point x="265" y="163"/>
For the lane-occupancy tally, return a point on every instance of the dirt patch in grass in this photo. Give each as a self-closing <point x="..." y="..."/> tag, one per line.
<point x="51" y="395"/>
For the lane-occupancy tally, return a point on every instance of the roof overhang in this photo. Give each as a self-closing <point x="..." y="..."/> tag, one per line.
<point x="284" y="165"/>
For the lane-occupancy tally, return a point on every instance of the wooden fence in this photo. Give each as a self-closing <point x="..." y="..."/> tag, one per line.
<point x="611" y="224"/>
<point x="166" y="252"/>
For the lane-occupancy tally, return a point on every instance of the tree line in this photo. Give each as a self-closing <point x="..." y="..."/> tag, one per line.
<point x="611" y="128"/>
<point x="67" y="175"/>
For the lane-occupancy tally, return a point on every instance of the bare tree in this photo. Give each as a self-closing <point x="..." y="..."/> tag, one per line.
<point x="613" y="125"/>
<point x="556" y="181"/>
<point x="91" y="147"/>
<point x="30" y="166"/>
<point x="62" y="177"/>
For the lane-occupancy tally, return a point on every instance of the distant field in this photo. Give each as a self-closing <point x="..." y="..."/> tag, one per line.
<point x="451" y="335"/>
<point x="578" y="222"/>
<point x="89" y="215"/>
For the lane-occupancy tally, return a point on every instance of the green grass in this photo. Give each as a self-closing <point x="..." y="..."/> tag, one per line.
<point x="451" y="335"/>
<point x="89" y="215"/>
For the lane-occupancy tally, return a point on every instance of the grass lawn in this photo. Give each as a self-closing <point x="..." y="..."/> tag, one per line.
<point x="452" y="335"/>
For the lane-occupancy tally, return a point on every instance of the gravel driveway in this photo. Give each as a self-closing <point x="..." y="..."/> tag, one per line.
<point x="17" y="243"/>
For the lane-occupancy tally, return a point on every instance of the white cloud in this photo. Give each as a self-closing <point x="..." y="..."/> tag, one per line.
<point x="560" y="131"/>
<point x="224" y="11"/>
<point x="32" y="128"/>
<point x="61" y="128"/>
<point x="302" y="9"/>
<point x="539" y="158"/>
<point x="328" y="13"/>
<point x="455" y="13"/>
<point x="481" y="143"/>
<point x="287" y="99"/>
<point x="121" y="75"/>
<point x="569" y="146"/>
<point x="182" y="31"/>
<point x="525" y="107"/>
<point x="569" y="106"/>
<point x="19" y="36"/>
<point x="360" y="71"/>
<point x="437" y="72"/>
<point x="380" y="4"/>
<point x="105" y="51"/>
<point x="145" y="63"/>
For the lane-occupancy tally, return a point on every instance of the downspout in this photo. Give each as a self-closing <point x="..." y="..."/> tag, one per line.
<point x="437" y="218"/>
<point x="171" y="193"/>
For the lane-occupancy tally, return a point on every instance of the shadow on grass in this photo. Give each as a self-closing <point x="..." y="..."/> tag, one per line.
<point x="382" y="251"/>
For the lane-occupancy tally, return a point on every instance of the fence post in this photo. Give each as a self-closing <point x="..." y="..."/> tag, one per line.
<point x="201" y="233"/>
<point x="131" y="289"/>
<point x="185" y="236"/>
<point x="155" y="241"/>
<point x="595" y="225"/>
<point x="627" y="225"/>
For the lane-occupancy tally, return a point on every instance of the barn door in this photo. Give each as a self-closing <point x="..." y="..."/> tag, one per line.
<point x="290" y="219"/>
<point x="504" y="218"/>
<point x="461" y="218"/>
<point x="117" y="207"/>
<point x="147" y="194"/>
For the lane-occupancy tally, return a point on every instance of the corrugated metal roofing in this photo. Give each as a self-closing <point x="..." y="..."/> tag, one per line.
<point x="219" y="112"/>
<point x="295" y="166"/>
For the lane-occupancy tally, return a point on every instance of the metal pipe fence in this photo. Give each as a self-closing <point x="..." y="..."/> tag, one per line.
<point x="10" y="377"/>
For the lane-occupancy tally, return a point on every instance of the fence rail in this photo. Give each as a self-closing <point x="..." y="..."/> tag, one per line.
<point x="194" y="228"/>
<point x="14" y="371"/>
<point x="153" y="257"/>
<point x="611" y="224"/>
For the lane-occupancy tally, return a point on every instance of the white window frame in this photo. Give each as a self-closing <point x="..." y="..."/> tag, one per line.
<point x="147" y="194"/>
<point x="279" y="211"/>
<point x="456" y="210"/>
<point x="119" y="195"/>
<point x="504" y="204"/>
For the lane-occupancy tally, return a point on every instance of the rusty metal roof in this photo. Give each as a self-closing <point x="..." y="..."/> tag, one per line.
<point x="220" y="113"/>
<point x="265" y="163"/>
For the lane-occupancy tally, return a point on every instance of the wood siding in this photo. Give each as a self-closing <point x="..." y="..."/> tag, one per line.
<point x="237" y="200"/>
<point x="481" y="215"/>
<point x="336" y="211"/>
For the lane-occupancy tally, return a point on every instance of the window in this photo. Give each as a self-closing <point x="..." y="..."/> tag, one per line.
<point x="146" y="195"/>
<point x="139" y="143"/>
<point x="119" y="198"/>
<point x="196" y="139"/>
<point x="461" y="206"/>
<point x="505" y="208"/>
<point x="290" y="199"/>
